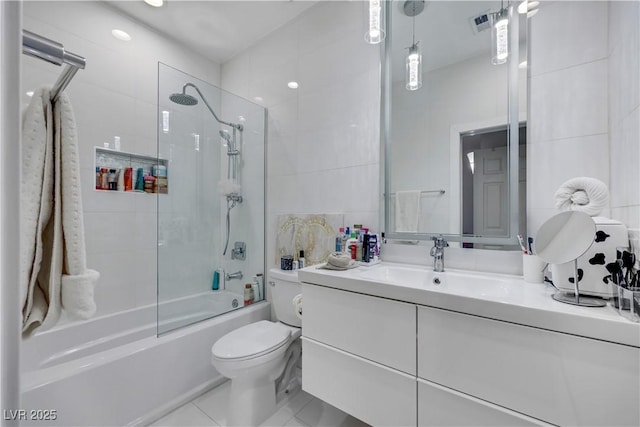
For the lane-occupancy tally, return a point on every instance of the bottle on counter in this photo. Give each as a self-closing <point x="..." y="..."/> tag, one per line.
<point x="301" y="260"/>
<point x="249" y="295"/>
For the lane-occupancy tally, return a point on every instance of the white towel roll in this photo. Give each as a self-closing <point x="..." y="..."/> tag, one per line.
<point x="297" y="303"/>
<point x="583" y="194"/>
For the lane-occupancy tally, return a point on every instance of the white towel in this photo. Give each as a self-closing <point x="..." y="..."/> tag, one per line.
<point x="407" y="211"/>
<point x="53" y="272"/>
<point x="583" y="194"/>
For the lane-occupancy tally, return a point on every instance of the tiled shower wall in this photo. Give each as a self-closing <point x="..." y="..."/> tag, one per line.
<point x="115" y="95"/>
<point x="323" y="138"/>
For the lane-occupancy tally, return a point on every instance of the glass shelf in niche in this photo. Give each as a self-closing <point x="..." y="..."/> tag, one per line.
<point x="128" y="172"/>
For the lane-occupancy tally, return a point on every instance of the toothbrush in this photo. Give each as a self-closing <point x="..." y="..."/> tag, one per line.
<point x="530" y="240"/>
<point x="521" y="241"/>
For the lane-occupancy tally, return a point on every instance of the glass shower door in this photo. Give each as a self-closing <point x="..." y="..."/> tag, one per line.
<point x="213" y="145"/>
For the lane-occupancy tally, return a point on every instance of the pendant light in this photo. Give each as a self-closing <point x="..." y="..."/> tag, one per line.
<point x="413" y="73"/>
<point x="375" y="24"/>
<point x="500" y="36"/>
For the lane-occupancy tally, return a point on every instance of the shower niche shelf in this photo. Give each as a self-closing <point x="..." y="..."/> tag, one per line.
<point x="120" y="171"/>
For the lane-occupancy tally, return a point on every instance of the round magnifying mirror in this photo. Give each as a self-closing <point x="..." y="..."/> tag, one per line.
<point x="565" y="237"/>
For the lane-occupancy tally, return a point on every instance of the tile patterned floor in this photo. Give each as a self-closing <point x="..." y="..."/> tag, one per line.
<point x="300" y="410"/>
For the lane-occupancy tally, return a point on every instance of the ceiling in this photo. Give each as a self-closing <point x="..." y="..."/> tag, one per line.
<point x="216" y="29"/>
<point x="220" y="29"/>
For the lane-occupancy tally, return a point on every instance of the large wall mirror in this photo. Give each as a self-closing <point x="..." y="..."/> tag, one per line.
<point x="454" y="127"/>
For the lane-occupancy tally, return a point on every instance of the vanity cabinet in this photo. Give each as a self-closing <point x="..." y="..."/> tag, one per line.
<point x="359" y="354"/>
<point x="556" y="377"/>
<point x="374" y="328"/>
<point x="371" y="392"/>
<point x="442" y="406"/>
<point x="393" y="363"/>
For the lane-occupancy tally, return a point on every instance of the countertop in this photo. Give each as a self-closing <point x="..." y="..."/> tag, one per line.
<point x="495" y="296"/>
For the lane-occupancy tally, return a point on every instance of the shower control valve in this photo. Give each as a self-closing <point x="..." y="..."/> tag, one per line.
<point x="239" y="251"/>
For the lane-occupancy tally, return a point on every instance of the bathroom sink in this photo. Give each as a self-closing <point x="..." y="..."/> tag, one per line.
<point x="400" y="275"/>
<point x="469" y="284"/>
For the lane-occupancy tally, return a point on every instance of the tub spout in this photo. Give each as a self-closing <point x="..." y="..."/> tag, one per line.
<point x="231" y="276"/>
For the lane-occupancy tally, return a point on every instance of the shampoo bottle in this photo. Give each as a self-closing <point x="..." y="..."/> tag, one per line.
<point x="249" y="296"/>
<point x="301" y="260"/>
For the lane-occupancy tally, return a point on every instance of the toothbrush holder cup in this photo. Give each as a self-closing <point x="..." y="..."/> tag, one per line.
<point x="533" y="268"/>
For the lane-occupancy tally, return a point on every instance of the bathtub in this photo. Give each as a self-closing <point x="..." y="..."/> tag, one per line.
<point x="114" y="370"/>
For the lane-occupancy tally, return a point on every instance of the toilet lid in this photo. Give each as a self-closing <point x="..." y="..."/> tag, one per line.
<point x="251" y="341"/>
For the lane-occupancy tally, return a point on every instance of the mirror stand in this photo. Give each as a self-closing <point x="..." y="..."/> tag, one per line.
<point x="576" y="299"/>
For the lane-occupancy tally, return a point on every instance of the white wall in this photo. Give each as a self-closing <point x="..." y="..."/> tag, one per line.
<point x="584" y="105"/>
<point x="568" y="115"/>
<point x="115" y="95"/>
<point x="323" y="138"/>
<point x="624" y="111"/>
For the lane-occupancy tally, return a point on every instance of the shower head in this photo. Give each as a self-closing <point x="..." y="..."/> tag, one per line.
<point x="183" y="98"/>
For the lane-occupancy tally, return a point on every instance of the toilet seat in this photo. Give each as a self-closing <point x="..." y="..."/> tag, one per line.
<point x="251" y="341"/>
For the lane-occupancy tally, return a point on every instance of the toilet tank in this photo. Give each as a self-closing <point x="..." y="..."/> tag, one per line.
<point x="284" y="286"/>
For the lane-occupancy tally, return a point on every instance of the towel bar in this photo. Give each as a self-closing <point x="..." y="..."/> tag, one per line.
<point x="53" y="52"/>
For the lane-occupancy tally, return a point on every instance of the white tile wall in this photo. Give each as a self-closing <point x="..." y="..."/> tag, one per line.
<point x="568" y="110"/>
<point x="323" y="140"/>
<point x="624" y="111"/>
<point x="569" y="34"/>
<point x="115" y="95"/>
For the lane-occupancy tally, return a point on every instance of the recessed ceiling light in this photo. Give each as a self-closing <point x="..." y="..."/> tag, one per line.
<point x="258" y="98"/>
<point x="293" y="85"/>
<point x="30" y="93"/>
<point x="121" y="35"/>
<point x="154" y="3"/>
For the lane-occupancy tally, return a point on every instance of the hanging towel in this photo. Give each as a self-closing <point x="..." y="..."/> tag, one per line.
<point x="53" y="273"/>
<point x="583" y="194"/>
<point x="407" y="211"/>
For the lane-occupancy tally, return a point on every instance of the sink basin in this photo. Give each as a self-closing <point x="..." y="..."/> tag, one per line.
<point x="469" y="284"/>
<point x="400" y="275"/>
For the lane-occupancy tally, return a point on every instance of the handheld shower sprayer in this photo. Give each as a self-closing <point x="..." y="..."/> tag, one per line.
<point x="230" y="143"/>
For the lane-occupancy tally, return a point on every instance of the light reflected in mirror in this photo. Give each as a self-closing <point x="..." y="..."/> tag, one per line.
<point x="464" y="100"/>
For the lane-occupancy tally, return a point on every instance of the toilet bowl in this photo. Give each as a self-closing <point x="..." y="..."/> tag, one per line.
<point x="259" y="358"/>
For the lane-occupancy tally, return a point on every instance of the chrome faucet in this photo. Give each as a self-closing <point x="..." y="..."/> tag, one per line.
<point x="231" y="276"/>
<point x="437" y="252"/>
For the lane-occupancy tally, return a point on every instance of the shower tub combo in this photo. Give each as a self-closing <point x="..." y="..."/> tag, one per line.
<point x="128" y="375"/>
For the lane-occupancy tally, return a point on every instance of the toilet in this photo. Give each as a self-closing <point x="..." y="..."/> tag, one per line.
<point x="260" y="358"/>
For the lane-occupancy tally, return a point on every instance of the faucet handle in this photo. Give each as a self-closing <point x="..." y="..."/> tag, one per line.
<point x="439" y="242"/>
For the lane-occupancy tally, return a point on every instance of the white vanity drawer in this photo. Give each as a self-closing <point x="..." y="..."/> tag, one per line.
<point x="440" y="406"/>
<point x="559" y="378"/>
<point x="375" y="328"/>
<point x="375" y="394"/>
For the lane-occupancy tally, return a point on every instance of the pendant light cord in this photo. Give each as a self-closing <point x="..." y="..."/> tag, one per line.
<point x="413" y="35"/>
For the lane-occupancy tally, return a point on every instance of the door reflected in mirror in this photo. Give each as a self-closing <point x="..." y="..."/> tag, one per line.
<point x="485" y="185"/>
